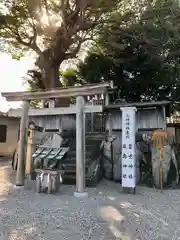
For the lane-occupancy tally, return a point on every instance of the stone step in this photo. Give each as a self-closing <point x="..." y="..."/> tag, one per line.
<point x="71" y="180"/>
<point x="70" y="171"/>
<point x="72" y="166"/>
<point x="72" y="161"/>
<point x="73" y="153"/>
<point x="93" y="142"/>
<point x="96" y="134"/>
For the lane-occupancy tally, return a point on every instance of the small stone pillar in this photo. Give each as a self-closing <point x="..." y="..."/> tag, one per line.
<point x="128" y="147"/>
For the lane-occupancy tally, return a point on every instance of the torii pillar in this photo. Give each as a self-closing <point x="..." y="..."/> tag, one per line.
<point x="22" y="144"/>
<point x="80" y="149"/>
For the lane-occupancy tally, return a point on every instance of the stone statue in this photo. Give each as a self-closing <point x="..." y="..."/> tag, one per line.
<point x="112" y="159"/>
<point x="163" y="153"/>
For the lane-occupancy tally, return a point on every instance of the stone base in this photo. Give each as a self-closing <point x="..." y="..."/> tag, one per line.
<point x="81" y="194"/>
<point x="18" y="186"/>
<point x="128" y="190"/>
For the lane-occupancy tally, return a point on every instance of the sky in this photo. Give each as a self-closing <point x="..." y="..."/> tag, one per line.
<point x="11" y="74"/>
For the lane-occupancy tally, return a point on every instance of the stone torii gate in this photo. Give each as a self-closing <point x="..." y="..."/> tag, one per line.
<point x="79" y="109"/>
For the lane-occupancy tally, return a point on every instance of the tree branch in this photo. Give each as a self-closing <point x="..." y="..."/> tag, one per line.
<point x="30" y="44"/>
<point x="33" y="44"/>
<point x="73" y="53"/>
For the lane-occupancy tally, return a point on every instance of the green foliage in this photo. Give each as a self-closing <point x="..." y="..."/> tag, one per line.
<point x="70" y="77"/>
<point x="34" y="103"/>
<point x="54" y="30"/>
<point x="140" y="52"/>
<point x="95" y="68"/>
<point x="16" y="57"/>
<point x="23" y="22"/>
<point x="16" y="27"/>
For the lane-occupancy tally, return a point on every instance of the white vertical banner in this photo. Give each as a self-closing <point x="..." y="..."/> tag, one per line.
<point x="128" y="147"/>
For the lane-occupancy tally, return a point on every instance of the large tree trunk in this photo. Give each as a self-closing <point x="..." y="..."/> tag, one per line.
<point x="51" y="76"/>
<point x="49" y="67"/>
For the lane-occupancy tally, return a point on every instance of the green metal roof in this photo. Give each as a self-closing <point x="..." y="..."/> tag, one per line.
<point x="50" y="153"/>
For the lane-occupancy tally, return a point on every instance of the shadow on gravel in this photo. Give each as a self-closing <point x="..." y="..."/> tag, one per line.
<point x="31" y="216"/>
<point x="105" y="215"/>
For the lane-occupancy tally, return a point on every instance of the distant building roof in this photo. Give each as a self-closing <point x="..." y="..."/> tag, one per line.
<point x="117" y="106"/>
<point x="14" y="112"/>
<point x="139" y="104"/>
<point x="6" y="114"/>
<point x="3" y="114"/>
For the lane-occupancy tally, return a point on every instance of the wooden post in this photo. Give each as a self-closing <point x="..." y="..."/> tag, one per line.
<point x="29" y="151"/>
<point x="109" y="116"/>
<point x="43" y="103"/>
<point x="84" y="143"/>
<point x="164" y="117"/>
<point x="106" y="99"/>
<point x="51" y="103"/>
<point x="110" y="124"/>
<point x="92" y="118"/>
<point x="21" y="147"/>
<point x="80" y="174"/>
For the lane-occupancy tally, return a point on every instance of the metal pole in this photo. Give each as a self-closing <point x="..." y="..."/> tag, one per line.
<point x="79" y="145"/>
<point x="21" y="146"/>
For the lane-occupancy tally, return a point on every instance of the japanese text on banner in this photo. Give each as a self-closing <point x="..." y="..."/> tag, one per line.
<point x="128" y="148"/>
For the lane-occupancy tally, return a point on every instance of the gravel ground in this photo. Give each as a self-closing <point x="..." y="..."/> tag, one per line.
<point x="106" y="214"/>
